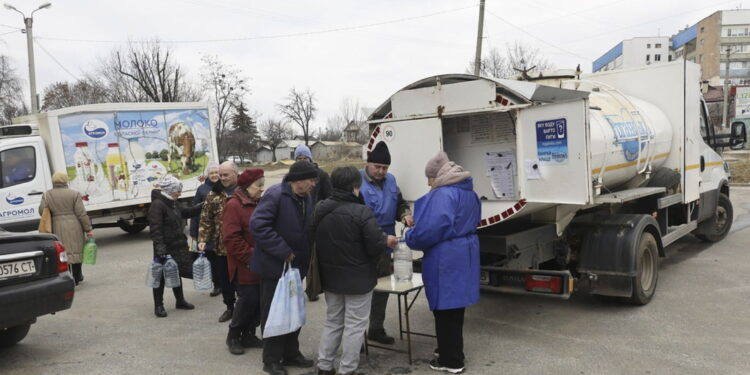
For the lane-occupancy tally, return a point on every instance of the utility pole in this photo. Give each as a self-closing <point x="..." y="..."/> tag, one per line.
<point x="725" y="112"/>
<point x="28" y="22"/>
<point x="478" y="56"/>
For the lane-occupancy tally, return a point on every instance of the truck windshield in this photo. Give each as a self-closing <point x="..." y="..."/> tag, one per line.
<point x="17" y="165"/>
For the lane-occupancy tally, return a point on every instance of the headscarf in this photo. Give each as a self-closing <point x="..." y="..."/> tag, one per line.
<point x="169" y="184"/>
<point x="60" y="179"/>
<point x="449" y="172"/>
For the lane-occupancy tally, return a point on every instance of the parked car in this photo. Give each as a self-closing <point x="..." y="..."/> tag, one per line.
<point x="34" y="281"/>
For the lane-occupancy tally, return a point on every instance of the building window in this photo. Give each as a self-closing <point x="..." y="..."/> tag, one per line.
<point x="648" y="45"/>
<point x="657" y="45"/>
<point x="700" y="59"/>
<point x="701" y="42"/>
<point x="669" y="58"/>
<point x="701" y="29"/>
<point x="657" y="57"/>
<point x="648" y="57"/>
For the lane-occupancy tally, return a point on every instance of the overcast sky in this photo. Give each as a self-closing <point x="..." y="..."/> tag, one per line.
<point x="364" y="49"/>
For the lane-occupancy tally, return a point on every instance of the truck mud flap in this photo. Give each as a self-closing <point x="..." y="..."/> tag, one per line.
<point x="608" y="252"/>
<point x="558" y="284"/>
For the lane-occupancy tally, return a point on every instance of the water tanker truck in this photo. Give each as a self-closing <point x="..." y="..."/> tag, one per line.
<point x="584" y="180"/>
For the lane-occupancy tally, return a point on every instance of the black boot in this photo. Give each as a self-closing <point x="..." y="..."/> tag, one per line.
<point x="249" y="340"/>
<point x="233" y="341"/>
<point x="180" y="297"/>
<point x="226" y="315"/>
<point x="160" y="312"/>
<point x="77" y="272"/>
<point x="379" y="336"/>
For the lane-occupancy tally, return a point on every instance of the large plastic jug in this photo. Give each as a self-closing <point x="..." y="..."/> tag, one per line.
<point x="202" y="273"/>
<point x="154" y="273"/>
<point x="89" y="252"/>
<point x="171" y="273"/>
<point x="402" y="262"/>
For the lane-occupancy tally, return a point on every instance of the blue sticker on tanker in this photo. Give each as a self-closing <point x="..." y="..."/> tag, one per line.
<point x="11" y="198"/>
<point x="629" y="134"/>
<point x="552" y="141"/>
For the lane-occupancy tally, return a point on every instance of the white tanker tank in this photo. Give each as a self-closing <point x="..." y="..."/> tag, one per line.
<point x="599" y="139"/>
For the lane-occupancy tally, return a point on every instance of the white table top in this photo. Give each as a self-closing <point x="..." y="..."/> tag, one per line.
<point x="388" y="284"/>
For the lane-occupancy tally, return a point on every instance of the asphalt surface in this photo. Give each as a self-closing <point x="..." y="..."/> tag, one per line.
<point x="698" y="323"/>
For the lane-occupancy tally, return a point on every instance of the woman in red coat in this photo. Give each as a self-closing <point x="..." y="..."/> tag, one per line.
<point x="240" y="245"/>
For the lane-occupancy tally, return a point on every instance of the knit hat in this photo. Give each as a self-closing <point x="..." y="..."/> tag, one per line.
<point x="210" y="166"/>
<point x="434" y="164"/>
<point x="249" y="176"/>
<point x="302" y="150"/>
<point x="170" y="184"/>
<point x="379" y="154"/>
<point x="301" y="170"/>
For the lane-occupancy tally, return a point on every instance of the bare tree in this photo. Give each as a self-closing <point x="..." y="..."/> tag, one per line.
<point x="64" y="94"/>
<point x="274" y="132"/>
<point x="518" y="57"/>
<point x="300" y="109"/>
<point x="118" y="88"/>
<point x="152" y="67"/>
<point x="227" y="88"/>
<point x="11" y="103"/>
<point x="349" y="112"/>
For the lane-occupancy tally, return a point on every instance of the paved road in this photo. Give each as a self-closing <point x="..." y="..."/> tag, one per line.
<point x="698" y="323"/>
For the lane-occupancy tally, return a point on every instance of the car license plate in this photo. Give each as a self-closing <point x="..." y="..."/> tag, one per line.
<point x="19" y="268"/>
<point x="484" y="278"/>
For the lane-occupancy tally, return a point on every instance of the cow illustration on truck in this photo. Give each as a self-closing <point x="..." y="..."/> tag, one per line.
<point x="583" y="181"/>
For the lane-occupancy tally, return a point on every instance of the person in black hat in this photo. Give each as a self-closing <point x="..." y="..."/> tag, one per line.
<point x="280" y="226"/>
<point x="381" y="193"/>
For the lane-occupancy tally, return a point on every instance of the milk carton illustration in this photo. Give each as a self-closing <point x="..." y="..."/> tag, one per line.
<point x="117" y="171"/>
<point x="85" y="164"/>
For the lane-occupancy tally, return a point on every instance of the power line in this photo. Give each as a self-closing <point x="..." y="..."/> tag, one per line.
<point x="11" y="27"/>
<point x="276" y="36"/>
<point x="54" y="59"/>
<point x="10" y="32"/>
<point x="537" y="38"/>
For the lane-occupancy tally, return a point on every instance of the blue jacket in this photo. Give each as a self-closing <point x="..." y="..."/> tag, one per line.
<point x="446" y="223"/>
<point x="280" y="228"/>
<point x="200" y="196"/>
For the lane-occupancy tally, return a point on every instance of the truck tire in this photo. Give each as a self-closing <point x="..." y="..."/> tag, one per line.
<point x="647" y="274"/>
<point x="134" y="228"/>
<point x="718" y="226"/>
<point x="11" y="336"/>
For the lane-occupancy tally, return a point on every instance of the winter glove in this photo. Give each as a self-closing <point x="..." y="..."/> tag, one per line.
<point x="161" y="250"/>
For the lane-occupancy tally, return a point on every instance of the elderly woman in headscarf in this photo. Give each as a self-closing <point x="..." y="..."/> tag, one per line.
<point x="445" y="220"/>
<point x="166" y="218"/>
<point x="70" y="223"/>
<point x="211" y="175"/>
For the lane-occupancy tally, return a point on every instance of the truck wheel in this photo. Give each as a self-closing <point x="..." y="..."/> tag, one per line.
<point x="134" y="228"/>
<point x="11" y="336"/>
<point x="647" y="261"/>
<point x="717" y="227"/>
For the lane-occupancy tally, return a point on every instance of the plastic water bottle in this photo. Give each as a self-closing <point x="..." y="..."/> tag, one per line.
<point x="153" y="274"/>
<point x="402" y="262"/>
<point x="171" y="273"/>
<point x="202" y="273"/>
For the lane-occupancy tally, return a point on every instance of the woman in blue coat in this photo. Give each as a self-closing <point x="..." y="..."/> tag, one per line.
<point x="445" y="220"/>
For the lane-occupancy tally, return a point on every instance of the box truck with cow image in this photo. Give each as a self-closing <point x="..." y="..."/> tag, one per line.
<point x="114" y="154"/>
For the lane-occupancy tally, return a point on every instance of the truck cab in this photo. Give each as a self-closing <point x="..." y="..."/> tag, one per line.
<point x="24" y="176"/>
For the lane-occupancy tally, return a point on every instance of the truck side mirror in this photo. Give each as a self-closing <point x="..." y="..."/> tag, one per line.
<point x="738" y="136"/>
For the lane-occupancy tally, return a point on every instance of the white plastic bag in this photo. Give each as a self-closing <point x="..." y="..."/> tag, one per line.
<point x="202" y="273"/>
<point x="287" y="313"/>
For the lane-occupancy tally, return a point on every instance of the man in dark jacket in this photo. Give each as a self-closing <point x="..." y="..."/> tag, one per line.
<point x="321" y="191"/>
<point x="280" y="226"/>
<point x="349" y="243"/>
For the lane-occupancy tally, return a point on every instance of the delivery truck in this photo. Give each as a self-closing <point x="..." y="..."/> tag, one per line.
<point x="584" y="180"/>
<point x="113" y="154"/>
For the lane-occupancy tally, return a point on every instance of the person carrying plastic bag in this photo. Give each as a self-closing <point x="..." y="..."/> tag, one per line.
<point x="280" y="226"/>
<point x="287" y="311"/>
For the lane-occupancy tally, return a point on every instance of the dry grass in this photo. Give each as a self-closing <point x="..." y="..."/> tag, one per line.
<point x="327" y="165"/>
<point x="740" y="171"/>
